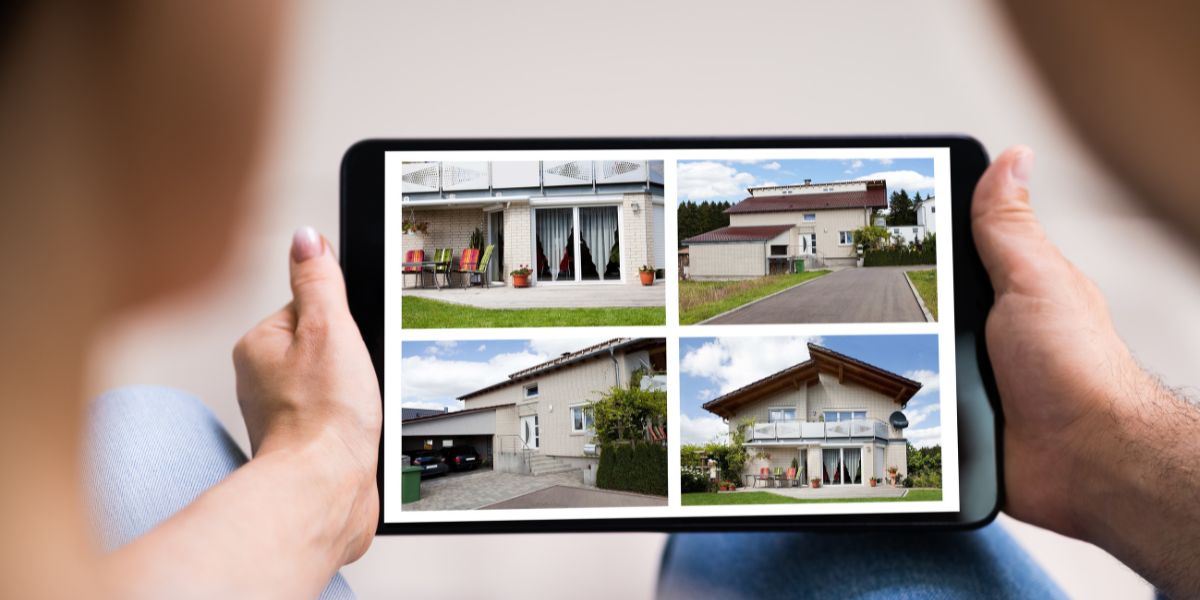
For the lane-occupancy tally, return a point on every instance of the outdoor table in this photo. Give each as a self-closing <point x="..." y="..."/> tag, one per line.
<point x="430" y="266"/>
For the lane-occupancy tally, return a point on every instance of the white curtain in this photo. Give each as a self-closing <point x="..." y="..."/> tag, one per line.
<point x="598" y="226"/>
<point x="831" y="463"/>
<point x="853" y="460"/>
<point x="553" y="229"/>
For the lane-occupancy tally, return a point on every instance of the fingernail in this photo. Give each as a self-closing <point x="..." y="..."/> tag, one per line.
<point x="1022" y="167"/>
<point x="306" y="243"/>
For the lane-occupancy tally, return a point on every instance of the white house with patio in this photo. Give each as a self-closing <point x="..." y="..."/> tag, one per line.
<point x="574" y="222"/>
<point x="777" y="225"/>
<point x="839" y="418"/>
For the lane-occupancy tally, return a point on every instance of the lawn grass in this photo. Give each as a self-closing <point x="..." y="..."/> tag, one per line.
<point x="423" y="313"/>
<point x="700" y="300"/>
<point x="913" y="495"/>
<point x="926" y="284"/>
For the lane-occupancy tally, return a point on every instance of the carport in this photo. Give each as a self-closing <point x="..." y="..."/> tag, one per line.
<point x="475" y="427"/>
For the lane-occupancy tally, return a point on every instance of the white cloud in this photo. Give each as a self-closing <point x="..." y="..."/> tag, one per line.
<point x="701" y="430"/>
<point x="772" y="166"/>
<point x="442" y="347"/>
<point x="929" y="380"/>
<point x="907" y="180"/>
<point x="708" y="180"/>
<point x="731" y="363"/>
<point x="745" y="162"/>
<point x="922" y="438"/>
<point x="885" y="161"/>
<point x="481" y="348"/>
<point x="706" y="394"/>
<point x="917" y="415"/>
<point x="430" y="405"/>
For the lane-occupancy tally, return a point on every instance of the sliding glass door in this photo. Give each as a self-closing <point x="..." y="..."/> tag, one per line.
<point x="593" y="255"/>
<point x="840" y="466"/>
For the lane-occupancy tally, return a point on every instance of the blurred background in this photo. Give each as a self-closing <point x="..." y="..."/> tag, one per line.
<point x="525" y="68"/>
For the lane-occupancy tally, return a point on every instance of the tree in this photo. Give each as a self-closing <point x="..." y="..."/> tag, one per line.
<point x="872" y="238"/>
<point x="901" y="209"/>
<point x="621" y="413"/>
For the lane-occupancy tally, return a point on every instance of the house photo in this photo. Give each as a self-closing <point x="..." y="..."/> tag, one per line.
<point x="539" y="415"/>
<point x="806" y="241"/>
<point x="825" y="424"/>
<point x="531" y="234"/>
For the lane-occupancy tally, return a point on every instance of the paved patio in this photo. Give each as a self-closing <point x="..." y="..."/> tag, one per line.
<point x="597" y="295"/>
<point x="832" y="491"/>
<point x="561" y="496"/>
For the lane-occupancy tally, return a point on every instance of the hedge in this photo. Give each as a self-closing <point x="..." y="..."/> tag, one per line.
<point x="899" y="256"/>
<point x="638" y="467"/>
<point x="693" y="480"/>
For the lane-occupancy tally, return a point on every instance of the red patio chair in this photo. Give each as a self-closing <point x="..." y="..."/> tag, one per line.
<point x="414" y="256"/>
<point x="764" y="474"/>
<point x="467" y="264"/>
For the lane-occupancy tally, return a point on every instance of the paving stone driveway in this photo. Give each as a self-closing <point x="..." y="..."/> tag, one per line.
<point x="862" y="295"/>
<point x="476" y="489"/>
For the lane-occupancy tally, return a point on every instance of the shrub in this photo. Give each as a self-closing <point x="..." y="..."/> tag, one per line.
<point x="622" y="413"/>
<point x="931" y="479"/>
<point x="900" y="255"/>
<point x="638" y="467"/>
<point x="871" y="237"/>
<point x="693" y="480"/>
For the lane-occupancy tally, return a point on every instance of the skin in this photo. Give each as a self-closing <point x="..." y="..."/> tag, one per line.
<point x="131" y="135"/>
<point x="1077" y="404"/>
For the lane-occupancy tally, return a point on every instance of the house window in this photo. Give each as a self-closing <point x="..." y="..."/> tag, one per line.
<point x="428" y="445"/>
<point x="834" y="416"/>
<point x="845" y="238"/>
<point x="447" y="443"/>
<point x="809" y="217"/>
<point x="914" y="231"/>
<point x="775" y="415"/>
<point x="779" y="250"/>
<point x="932" y="209"/>
<point x="581" y="419"/>
<point x="531" y="391"/>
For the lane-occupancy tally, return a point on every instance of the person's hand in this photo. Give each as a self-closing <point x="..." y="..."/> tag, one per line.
<point x="1094" y="447"/>
<point x="306" y="385"/>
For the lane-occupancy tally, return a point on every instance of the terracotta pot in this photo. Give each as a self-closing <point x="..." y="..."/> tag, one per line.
<point x="872" y="483"/>
<point x="815" y="483"/>
<point x="520" y="281"/>
<point x="647" y="277"/>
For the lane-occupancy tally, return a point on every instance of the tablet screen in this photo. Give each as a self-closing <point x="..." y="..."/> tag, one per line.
<point x="575" y="334"/>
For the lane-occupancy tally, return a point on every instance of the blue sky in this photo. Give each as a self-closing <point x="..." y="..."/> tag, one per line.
<point x="434" y="374"/>
<point x="711" y="367"/>
<point x="711" y="180"/>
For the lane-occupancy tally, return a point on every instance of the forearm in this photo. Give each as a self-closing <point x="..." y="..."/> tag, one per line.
<point x="276" y="528"/>
<point x="1138" y="495"/>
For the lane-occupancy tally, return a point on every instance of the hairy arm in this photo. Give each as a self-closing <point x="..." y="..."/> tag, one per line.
<point x="1095" y="447"/>
<point x="306" y="503"/>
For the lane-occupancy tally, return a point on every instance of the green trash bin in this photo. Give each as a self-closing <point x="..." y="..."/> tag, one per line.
<point x="798" y="265"/>
<point x="410" y="484"/>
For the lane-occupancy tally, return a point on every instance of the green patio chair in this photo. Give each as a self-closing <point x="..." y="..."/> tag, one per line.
<point x="778" y="476"/>
<point x="443" y="257"/>
<point x="481" y="266"/>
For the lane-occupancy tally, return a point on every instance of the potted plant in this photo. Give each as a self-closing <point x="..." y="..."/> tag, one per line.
<point x="646" y="272"/>
<point x="873" y="481"/>
<point x="520" y="276"/>
<point x="892" y="472"/>
<point x="815" y="482"/>
<point x="413" y="227"/>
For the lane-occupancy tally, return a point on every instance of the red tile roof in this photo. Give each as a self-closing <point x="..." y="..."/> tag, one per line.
<point x="758" y="233"/>
<point x="875" y="196"/>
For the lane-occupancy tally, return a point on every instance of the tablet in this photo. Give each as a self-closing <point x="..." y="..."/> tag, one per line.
<point x="674" y="334"/>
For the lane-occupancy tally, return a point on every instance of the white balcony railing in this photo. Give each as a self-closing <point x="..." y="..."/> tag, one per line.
<point x="794" y="430"/>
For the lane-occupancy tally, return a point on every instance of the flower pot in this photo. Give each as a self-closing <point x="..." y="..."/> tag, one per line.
<point x="647" y="277"/>
<point x="520" y="281"/>
<point x="872" y="483"/>
<point x="815" y="483"/>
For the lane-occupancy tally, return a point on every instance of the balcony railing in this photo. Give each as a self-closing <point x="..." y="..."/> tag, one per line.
<point x="796" y="430"/>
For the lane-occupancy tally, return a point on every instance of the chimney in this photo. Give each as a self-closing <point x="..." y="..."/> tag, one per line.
<point x="807" y="182"/>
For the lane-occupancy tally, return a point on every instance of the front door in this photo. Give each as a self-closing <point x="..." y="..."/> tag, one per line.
<point x="529" y="431"/>
<point x="496" y="240"/>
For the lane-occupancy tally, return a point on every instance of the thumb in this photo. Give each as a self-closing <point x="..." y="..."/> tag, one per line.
<point x="1008" y="236"/>
<point x="317" y="285"/>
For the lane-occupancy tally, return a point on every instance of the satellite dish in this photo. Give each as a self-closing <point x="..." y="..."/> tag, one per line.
<point x="898" y="420"/>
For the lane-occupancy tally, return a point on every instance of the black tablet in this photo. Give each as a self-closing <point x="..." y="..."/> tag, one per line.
<point x="674" y="334"/>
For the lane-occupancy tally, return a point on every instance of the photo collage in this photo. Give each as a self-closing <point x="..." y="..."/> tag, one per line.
<point x="654" y="333"/>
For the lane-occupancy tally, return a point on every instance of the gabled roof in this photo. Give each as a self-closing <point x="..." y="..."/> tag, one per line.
<point x="570" y="358"/>
<point x="875" y="196"/>
<point x="758" y="233"/>
<point x="821" y="359"/>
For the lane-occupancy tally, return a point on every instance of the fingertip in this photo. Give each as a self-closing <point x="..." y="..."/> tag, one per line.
<point x="1020" y="166"/>
<point x="306" y="244"/>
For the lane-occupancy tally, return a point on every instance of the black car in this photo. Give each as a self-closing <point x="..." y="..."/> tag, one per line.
<point x="431" y="462"/>
<point x="461" y="458"/>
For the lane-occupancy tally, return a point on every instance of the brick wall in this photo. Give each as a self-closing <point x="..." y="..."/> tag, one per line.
<point x="448" y="228"/>
<point x="638" y="236"/>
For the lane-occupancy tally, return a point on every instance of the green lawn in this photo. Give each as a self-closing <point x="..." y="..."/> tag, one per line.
<point x="914" y="495"/>
<point x="422" y="313"/>
<point x="700" y="300"/>
<point x="926" y="284"/>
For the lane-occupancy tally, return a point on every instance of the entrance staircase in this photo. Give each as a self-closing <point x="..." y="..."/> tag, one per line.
<point x="545" y="465"/>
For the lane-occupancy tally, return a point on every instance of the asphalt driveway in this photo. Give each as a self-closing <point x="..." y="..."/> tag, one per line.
<point x="862" y="295"/>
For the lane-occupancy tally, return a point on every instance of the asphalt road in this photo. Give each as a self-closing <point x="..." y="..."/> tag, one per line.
<point x="864" y="295"/>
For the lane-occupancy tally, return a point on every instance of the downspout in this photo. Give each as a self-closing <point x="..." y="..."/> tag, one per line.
<point x="616" y="370"/>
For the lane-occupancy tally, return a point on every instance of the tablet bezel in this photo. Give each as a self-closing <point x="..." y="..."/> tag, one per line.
<point x="361" y="235"/>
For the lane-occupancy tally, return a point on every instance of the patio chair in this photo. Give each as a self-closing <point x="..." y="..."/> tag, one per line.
<point x="467" y="264"/>
<point x="779" y="476"/>
<point x="443" y="259"/>
<point x="480" y="269"/>
<point x="790" y="477"/>
<point x="414" y="256"/>
<point x="764" y="475"/>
